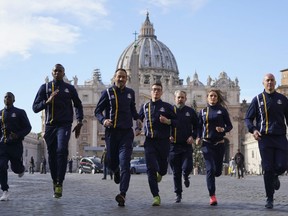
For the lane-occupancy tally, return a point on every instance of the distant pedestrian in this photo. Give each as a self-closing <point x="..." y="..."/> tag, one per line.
<point x="104" y="161"/>
<point x="183" y="135"/>
<point x="14" y="126"/>
<point x="43" y="166"/>
<point x="239" y="160"/>
<point x="70" y="165"/>
<point x="214" y="123"/>
<point x="232" y="167"/>
<point x="158" y="116"/>
<point x="58" y="98"/>
<point x="266" y="119"/>
<point x="32" y="165"/>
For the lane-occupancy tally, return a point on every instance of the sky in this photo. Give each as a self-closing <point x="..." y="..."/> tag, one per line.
<point x="244" y="38"/>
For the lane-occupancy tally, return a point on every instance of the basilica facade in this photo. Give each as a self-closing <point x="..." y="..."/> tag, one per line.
<point x="146" y="61"/>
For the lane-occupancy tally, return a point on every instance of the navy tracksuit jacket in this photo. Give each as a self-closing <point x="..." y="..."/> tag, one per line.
<point x="271" y="114"/>
<point x="157" y="139"/>
<point x="213" y="151"/>
<point x="119" y="106"/>
<point x="58" y="122"/>
<point x="12" y="120"/>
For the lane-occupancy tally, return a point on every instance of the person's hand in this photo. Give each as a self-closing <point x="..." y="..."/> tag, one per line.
<point x="107" y="123"/>
<point x="257" y="135"/>
<point x="220" y="129"/>
<point x="137" y="132"/>
<point x="77" y="129"/>
<point x="190" y="140"/>
<point x="139" y="124"/>
<point x="13" y="136"/>
<point x="198" y="141"/>
<point x="164" y="120"/>
<point x="52" y="96"/>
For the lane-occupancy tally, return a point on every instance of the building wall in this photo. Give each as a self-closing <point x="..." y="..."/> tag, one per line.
<point x="252" y="155"/>
<point x="32" y="146"/>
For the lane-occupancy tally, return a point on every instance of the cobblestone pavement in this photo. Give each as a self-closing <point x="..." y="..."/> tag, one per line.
<point x="88" y="194"/>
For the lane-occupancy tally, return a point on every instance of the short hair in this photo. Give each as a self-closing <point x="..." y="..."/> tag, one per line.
<point x="158" y="84"/>
<point x="120" y="69"/>
<point x="10" y="93"/>
<point x="59" y="65"/>
<point x="180" y="91"/>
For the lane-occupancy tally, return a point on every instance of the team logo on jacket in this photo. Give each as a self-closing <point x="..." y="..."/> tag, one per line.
<point x="162" y="109"/>
<point x="279" y="101"/>
<point x="66" y="90"/>
<point x="129" y="96"/>
<point x="219" y="112"/>
<point x="187" y="114"/>
<point x="112" y="96"/>
<point x="13" y="115"/>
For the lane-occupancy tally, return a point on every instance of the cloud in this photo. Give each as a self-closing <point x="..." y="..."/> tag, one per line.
<point x="167" y="5"/>
<point x="53" y="26"/>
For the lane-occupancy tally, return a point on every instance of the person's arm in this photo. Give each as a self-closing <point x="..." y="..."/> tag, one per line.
<point x="228" y="125"/>
<point x="194" y="122"/>
<point x="40" y="100"/>
<point x="25" y="126"/>
<point x="78" y="111"/>
<point x="101" y="106"/>
<point x="251" y="115"/>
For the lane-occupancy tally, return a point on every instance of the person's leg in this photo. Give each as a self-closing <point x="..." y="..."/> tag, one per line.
<point x="50" y="138"/>
<point x="187" y="164"/>
<point x="267" y="156"/>
<point x="242" y="170"/>
<point x="3" y="172"/>
<point x="63" y="137"/>
<point x="104" y="171"/>
<point x="210" y="168"/>
<point x="16" y="158"/>
<point x="125" y="152"/>
<point x="218" y="156"/>
<point x="162" y="156"/>
<point x="175" y="162"/>
<point x="281" y="161"/>
<point x="152" y="166"/>
<point x="112" y="145"/>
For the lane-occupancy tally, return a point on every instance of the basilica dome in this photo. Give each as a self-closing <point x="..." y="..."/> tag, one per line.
<point x="155" y="60"/>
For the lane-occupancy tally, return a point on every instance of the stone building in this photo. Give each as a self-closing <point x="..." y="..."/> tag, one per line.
<point x="146" y="61"/>
<point x="33" y="146"/>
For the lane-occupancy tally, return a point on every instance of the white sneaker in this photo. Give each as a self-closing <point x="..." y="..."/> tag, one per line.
<point x="4" y="197"/>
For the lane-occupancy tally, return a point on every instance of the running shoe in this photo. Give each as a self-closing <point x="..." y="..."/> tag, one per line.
<point x="120" y="199"/>
<point x="4" y="196"/>
<point x="156" y="201"/>
<point x="58" y="191"/>
<point x="213" y="200"/>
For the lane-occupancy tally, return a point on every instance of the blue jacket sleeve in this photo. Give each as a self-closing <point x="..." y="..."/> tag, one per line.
<point x="25" y="125"/>
<point x="39" y="103"/>
<point x="101" y="106"/>
<point x="251" y="115"/>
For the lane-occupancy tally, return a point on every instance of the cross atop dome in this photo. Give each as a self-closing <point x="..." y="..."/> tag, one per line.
<point x="147" y="29"/>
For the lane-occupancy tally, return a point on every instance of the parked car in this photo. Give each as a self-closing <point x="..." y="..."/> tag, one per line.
<point x="90" y="165"/>
<point x="138" y="166"/>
